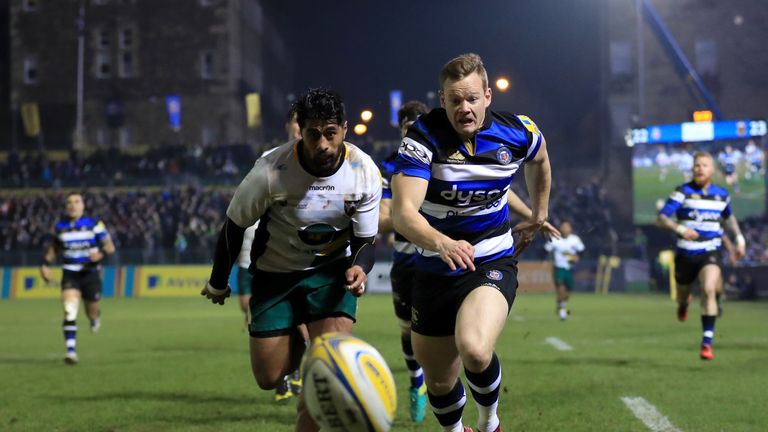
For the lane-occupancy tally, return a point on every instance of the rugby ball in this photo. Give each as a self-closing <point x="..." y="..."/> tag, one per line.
<point x="348" y="386"/>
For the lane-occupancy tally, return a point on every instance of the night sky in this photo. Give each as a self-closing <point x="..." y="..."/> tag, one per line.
<point x="363" y="49"/>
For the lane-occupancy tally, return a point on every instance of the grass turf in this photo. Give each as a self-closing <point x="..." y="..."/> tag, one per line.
<point x="182" y="364"/>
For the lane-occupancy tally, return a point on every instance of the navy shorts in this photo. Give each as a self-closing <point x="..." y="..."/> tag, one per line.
<point x="437" y="298"/>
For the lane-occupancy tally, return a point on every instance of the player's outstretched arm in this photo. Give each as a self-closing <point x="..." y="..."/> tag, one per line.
<point x="48" y="258"/>
<point x="361" y="263"/>
<point x="517" y="206"/>
<point x="538" y="176"/>
<point x="227" y="249"/>
<point x="385" y="216"/>
<point x="106" y="248"/>
<point x="665" y="222"/>
<point x="732" y="224"/>
<point x="408" y="194"/>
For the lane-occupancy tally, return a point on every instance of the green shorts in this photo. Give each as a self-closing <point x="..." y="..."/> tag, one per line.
<point x="281" y="301"/>
<point x="564" y="277"/>
<point x="244" y="279"/>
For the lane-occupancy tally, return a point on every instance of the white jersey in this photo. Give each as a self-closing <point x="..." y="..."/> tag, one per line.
<point x="306" y="221"/>
<point x="685" y="163"/>
<point x="244" y="259"/>
<point x="662" y="159"/>
<point x="564" y="249"/>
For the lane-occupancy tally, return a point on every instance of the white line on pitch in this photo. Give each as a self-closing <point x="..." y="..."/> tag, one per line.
<point x="518" y="318"/>
<point x="649" y="415"/>
<point x="558" y="344"/>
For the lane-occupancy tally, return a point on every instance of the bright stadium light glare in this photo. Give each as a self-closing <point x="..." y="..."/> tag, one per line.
<point x="366" y="115"/>
<point x="360" y="129"/>
<point x="502" y="84"/>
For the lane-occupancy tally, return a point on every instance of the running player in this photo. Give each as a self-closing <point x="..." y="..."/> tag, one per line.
<point x="729" y="160"/>
<point x="565" y="252"/>
<point x="290" y="385"/>
<point x="754" y="156"/>
<point x="453" y="172"/>
<point x="700" y="207"/>
<point x="685" y="165"/>
<point x="317" y="203"/>
<point x="82" y="242"/>
<point x="662" y="161"/>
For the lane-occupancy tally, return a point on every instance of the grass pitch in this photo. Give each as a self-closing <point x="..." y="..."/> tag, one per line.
<point x="182" y="365"/>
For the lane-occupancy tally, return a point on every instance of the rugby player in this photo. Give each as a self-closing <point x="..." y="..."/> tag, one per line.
<point x="290" y="385"/>
<point x="702" y="209"/>
<point x="82" y="242"/>
<point x="452" y="174"/>
<point x="317" y="203"/>
<point x="565" y="252"/>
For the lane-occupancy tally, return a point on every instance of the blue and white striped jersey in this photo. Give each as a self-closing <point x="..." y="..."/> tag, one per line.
<point x="76" y="240"/>
<point x="702" y="210"/>
<point x="466" y="197"/>
<point x="728" y="161"/>
<point x="404" y="251"/>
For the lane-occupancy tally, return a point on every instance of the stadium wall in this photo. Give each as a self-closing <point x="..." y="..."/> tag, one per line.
<point x="122" y="281"/>
<point x="158" y="281"/>
<point x="609" y="274"/>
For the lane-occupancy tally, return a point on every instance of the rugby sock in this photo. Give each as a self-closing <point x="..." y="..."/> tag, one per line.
<point x="708" y="324"/>
<point x="449" y="407"/>
<point x="414" y="369"/>
<point x="70" y="332"/>
<point x="485" y="387"/>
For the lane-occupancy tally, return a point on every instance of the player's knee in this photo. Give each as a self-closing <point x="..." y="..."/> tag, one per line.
<point x="475" y="356"/>
<point x="439" y="386"/>
<point x="71" y="306"/>
<point x="709" y="291"/>
<point x="266" y="380"/>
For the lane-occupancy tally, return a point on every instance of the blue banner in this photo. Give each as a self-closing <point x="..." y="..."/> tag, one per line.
<point x="697" y="132"/>
<point x="395" y="102"/>
<point x="173" y="103"/>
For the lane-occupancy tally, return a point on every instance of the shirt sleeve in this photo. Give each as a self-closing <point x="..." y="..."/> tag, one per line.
<point x="727" y="210"/>
<point x="252" y="198"/>
<point x="365" y="220"/>
<point x="549" y="246"/>
<point x="413" y="158"/>
<point x="579" y="245"/>
<point x="100" y="231"/>
<point x="673" y="203"/>
<point x="536" y="137"/>
<point x="386" y="191"/>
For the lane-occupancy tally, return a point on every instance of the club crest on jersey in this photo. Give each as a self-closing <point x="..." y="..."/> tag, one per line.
<point x="695" y="196"/>
<point x="504" y="156"/>
<point x="494" y="275"/>
<point x="317" y="234"/>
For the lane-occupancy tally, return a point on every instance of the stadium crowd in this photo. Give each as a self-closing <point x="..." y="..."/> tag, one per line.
<point x="182" y="220"/>
<point x="111" y="167"/>
<point x="157" y="219"/>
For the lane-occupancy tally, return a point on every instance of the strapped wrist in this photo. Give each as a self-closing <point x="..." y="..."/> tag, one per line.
<point x="681" y="229"/>
<point x="214" y="291"/>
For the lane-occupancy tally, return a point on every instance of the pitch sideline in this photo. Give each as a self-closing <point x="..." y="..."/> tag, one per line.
<point x="648" y="414"/>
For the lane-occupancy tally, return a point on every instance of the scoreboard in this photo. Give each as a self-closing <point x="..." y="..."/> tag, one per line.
<point x="697" y="132"/>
